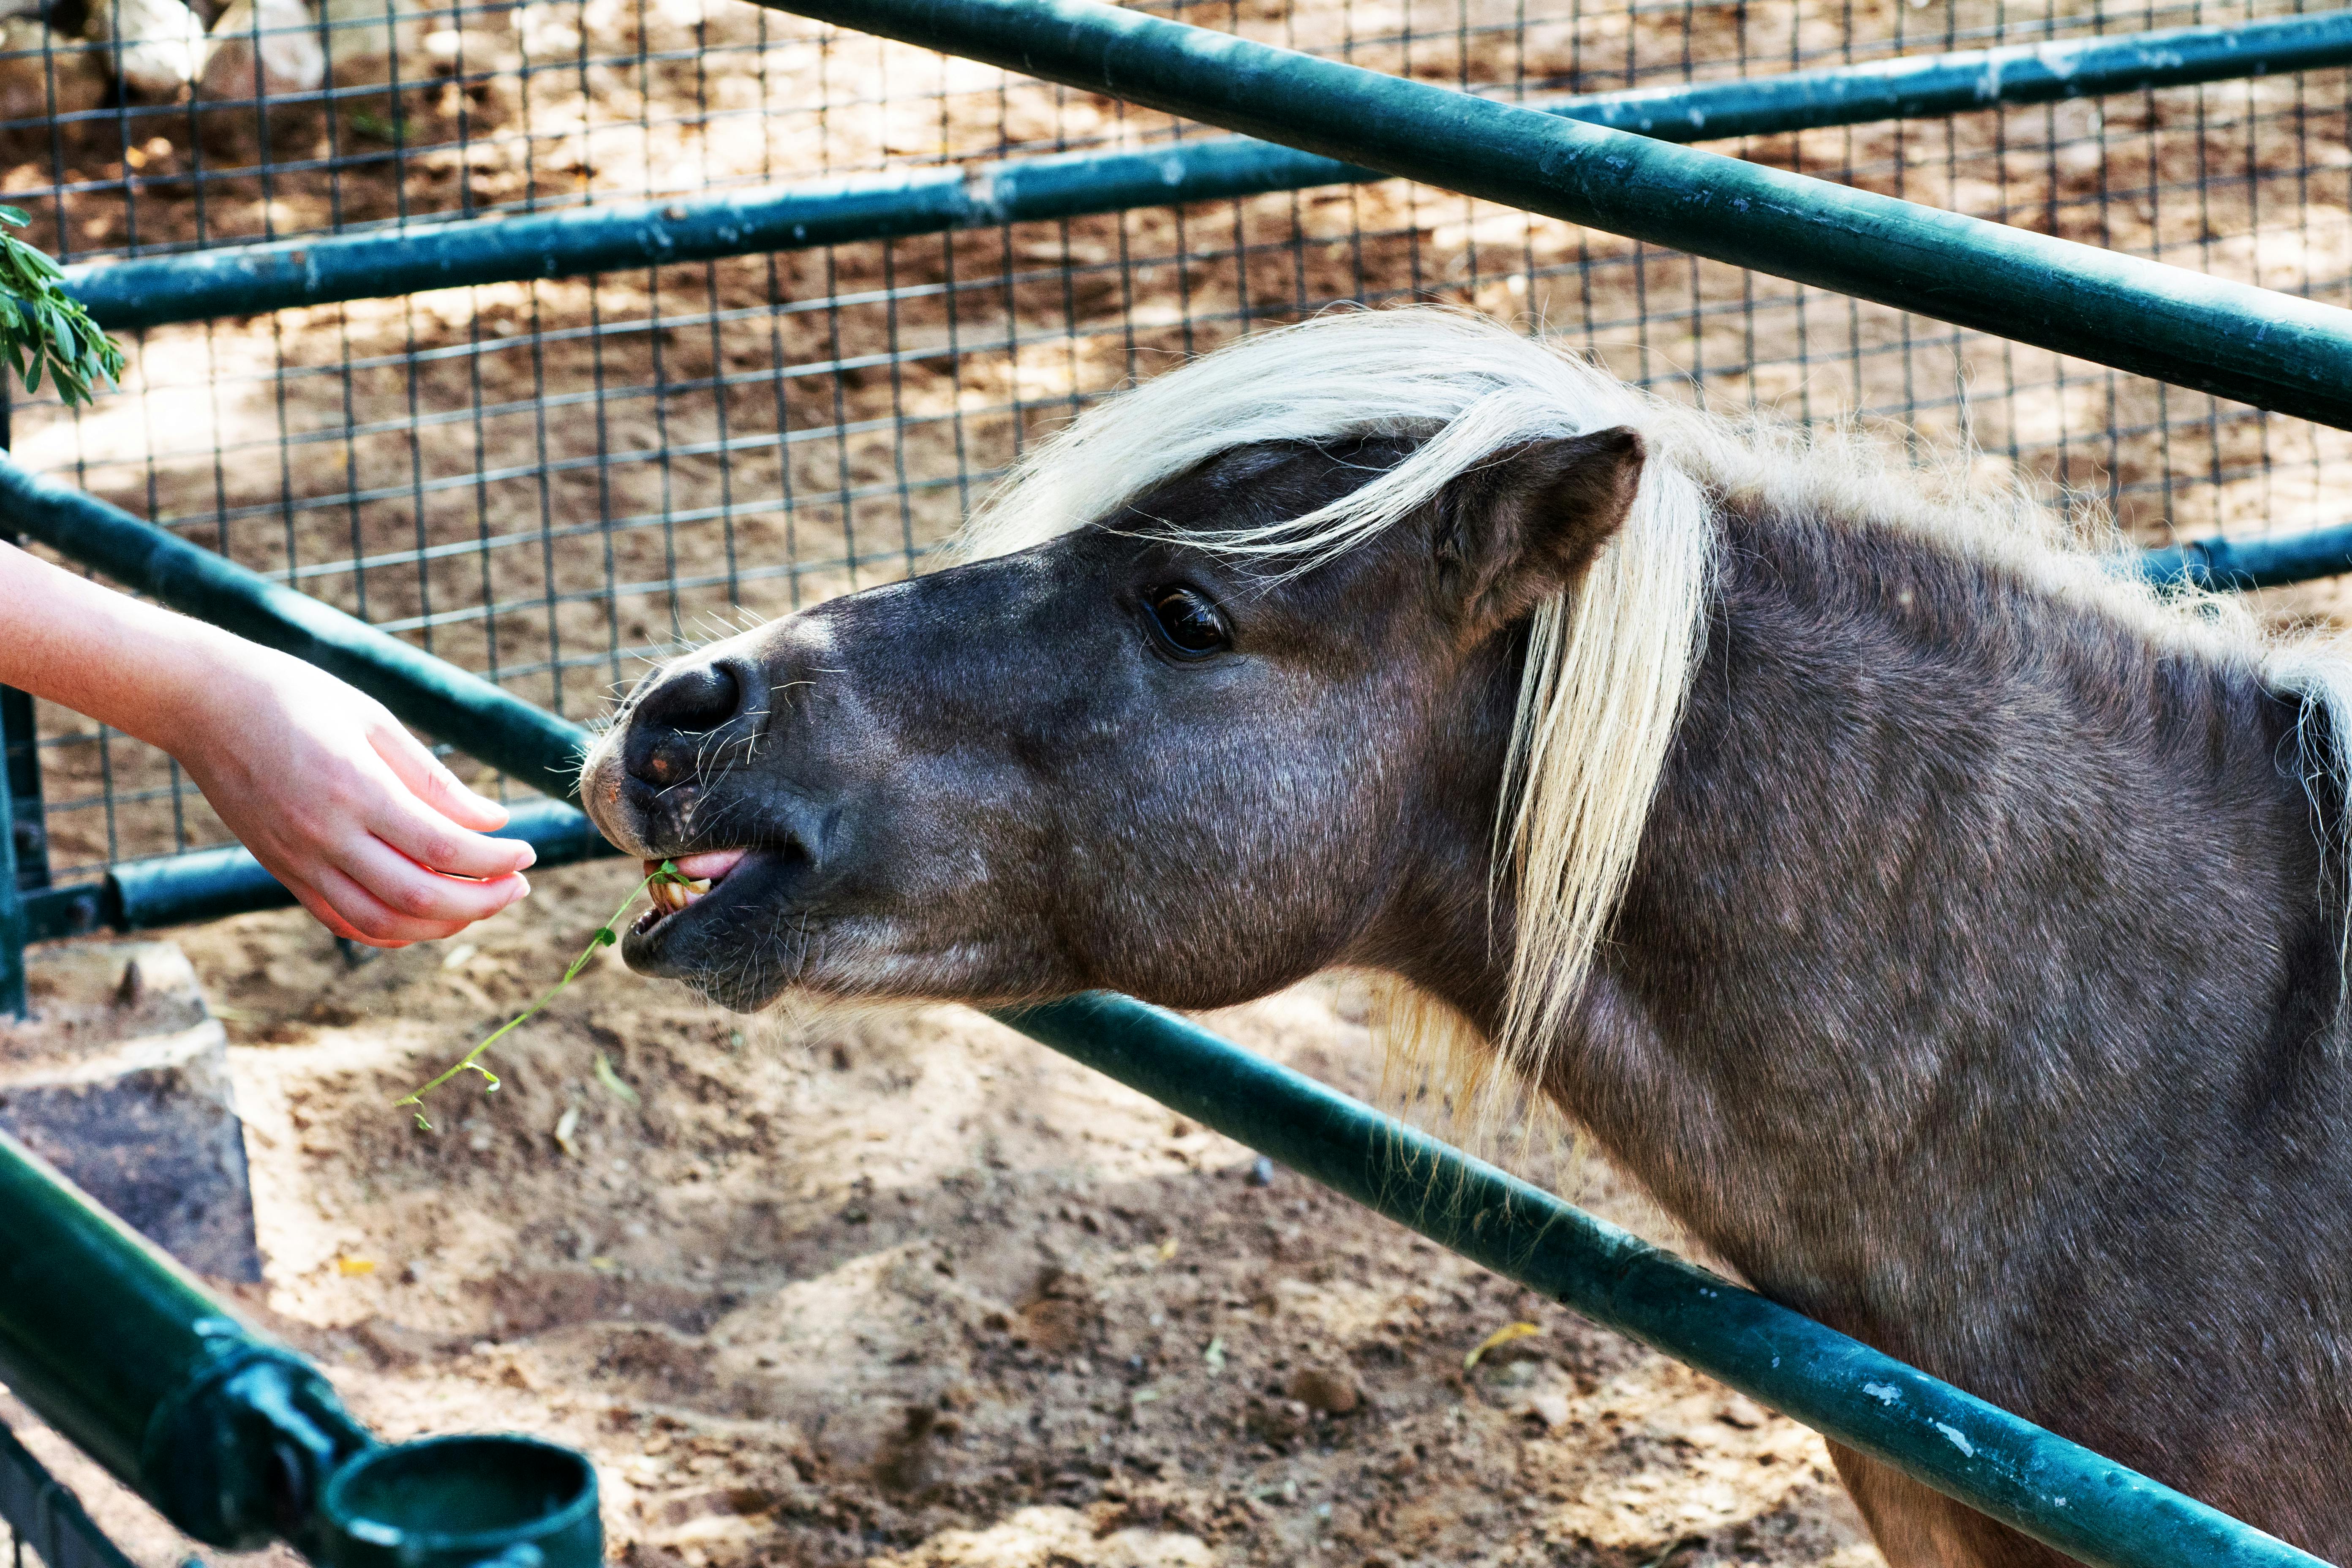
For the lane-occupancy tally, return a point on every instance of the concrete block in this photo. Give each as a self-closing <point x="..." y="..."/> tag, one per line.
<point x="120" y="1080"/>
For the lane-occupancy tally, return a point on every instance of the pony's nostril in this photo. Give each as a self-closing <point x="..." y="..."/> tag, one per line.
<point x="701" y="698"/>
<point x="669" y="730"/>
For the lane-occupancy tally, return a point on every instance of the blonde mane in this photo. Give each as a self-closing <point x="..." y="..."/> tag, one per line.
<point x="1608" y="666"/>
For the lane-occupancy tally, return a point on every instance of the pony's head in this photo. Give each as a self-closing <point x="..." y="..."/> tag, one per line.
<point x="1243" y="676"/>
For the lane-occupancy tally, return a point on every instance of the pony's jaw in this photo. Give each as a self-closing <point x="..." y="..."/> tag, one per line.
<point x="778" y="927"/>
<point x="755" y="958"/>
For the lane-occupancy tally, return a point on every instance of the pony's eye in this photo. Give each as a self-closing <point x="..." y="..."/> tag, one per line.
<point x="1187" y="625"/>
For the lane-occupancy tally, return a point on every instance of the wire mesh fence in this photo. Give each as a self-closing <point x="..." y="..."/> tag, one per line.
<point x="554" y="481"/>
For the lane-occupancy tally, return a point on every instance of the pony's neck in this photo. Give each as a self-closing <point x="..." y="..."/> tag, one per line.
<point x="1958" y="902"/>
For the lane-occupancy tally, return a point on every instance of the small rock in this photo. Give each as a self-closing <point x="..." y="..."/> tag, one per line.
<point x="1547" y="1394"/>
<point x="716" y="1502"/>
<point x="1551" y="1406"/>
<point x="904" y="1463"/>
<point x="1261" y="1171"/>
<point x="1327" y="1393"/>
<point x="1055" y="1326"/>
<point x="1741" y="1412"/>
<point x="546" y="32"/>
<point x="1277" y="1421"/>
<point x="394" y="1345"/>
<point x="157" y="47"/>
<point x="453" y="49"/>
<point x="373" y="42"/>
<point x="265" y="47"/>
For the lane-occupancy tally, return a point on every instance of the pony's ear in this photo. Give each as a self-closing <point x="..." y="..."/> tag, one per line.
<point x="1526" y="525"/>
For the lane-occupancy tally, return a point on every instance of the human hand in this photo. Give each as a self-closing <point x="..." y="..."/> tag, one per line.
<point x="364" y="825"/>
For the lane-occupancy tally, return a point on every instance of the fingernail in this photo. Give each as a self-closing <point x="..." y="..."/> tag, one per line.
<point x="526" y="886"/>
<point x="529" y="857"/>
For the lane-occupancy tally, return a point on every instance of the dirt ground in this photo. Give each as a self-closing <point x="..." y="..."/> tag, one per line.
<point x="906" y="1291"/>
<point x="910" y="1290"/>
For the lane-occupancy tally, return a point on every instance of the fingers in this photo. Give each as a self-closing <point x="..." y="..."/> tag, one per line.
<point x="370" y="919"/>
<point x="414" y="893"/>
<point x="437" y="844"/>
<point x="431" y="782"/>
<point x="391" y="902"/>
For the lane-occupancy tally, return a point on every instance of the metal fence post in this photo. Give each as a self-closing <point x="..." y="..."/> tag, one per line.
<point x="20" y="739"/>
<point x="12" y="918"/>
<point x="29" y="835"/>
<point x="15" y="729"/>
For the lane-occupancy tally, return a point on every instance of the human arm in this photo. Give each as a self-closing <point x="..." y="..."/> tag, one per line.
<point x="364" y="825"/>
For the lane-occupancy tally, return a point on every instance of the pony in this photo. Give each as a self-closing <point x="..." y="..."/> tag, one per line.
<point x="1948" y="928"/>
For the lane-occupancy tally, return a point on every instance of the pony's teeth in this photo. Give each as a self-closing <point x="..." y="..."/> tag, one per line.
<point x="671" y="896"/>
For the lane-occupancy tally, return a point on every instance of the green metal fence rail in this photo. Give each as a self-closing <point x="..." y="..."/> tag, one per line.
<point x="247" y="279"/>
<point x="454" y="705"/>
<point x="2272" y="351"/>
<point x="14" y="931"/>
<point x="200" y="884"/>
<point x="2226" y="565"/>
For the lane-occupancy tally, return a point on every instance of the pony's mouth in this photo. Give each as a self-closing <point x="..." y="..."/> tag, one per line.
<point x="703" y="874"/>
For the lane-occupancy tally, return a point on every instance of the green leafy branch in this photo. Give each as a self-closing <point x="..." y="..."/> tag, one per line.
<point x="41" y="324"/>
<point x="606" y="936"/>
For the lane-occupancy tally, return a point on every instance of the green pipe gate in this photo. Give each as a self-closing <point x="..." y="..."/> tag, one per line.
<point x="1327" y="124"/>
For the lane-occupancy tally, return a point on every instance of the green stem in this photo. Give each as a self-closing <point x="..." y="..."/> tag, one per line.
<point x="606" y="936"/>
